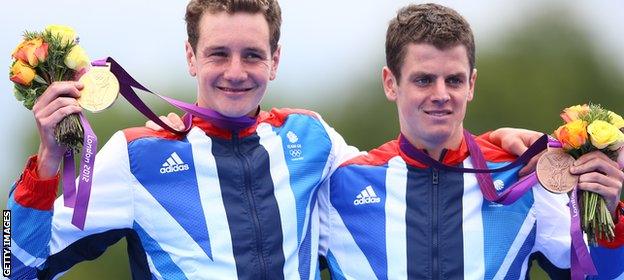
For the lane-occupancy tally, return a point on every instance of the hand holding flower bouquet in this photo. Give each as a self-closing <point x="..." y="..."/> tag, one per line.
<point x="592" y="128"/>
<point x="43" y="58"/>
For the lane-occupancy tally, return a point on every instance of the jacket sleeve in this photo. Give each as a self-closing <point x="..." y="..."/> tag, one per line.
<point x="609" y="255"/>
<point x="44" y="243"/>
<point x="340" y="151"/>
<point x="327" y="259"/>
<point x="553" y="238"/>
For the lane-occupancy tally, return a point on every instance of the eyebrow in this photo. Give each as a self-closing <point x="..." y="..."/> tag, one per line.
<point x="421" y="74"/>
<point x="254" y="49"/>
<point x="226" y="49"/>
<point x="216" y="48"/>
<point x="458" y="74"/>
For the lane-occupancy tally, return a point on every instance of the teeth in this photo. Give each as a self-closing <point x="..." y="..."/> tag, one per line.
<point x="233" y="89"/>
<point x="438" y="113"/>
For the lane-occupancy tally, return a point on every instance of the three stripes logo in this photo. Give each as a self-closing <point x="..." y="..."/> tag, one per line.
<point x="366" y="196"/>
<point x="173" y="164"/>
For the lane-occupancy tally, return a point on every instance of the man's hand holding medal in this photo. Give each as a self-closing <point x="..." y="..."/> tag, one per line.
<point x="588" y="144"/>
<point x="44" y="71"/>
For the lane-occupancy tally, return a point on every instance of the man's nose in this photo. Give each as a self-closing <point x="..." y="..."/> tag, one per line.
<point x="440" y="92"/>
<point x="235" y="71"/>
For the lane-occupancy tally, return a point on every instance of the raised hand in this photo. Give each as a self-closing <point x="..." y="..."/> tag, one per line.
<point x="57" y="102"/>
<point x="599" y="174"/>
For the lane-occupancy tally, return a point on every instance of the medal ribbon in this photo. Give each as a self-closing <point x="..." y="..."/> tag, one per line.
<point x="581" y="262"/>
<point x="126" y="83"/>
<point x="511" y="194"/>
<point x="79" y="199"/>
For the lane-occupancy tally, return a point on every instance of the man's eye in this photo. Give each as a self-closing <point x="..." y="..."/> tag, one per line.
<point x="252" y="56"/>
<point x="422" y="81"/>
<point x="454" y="81"/>
<point x="218" y="54"/>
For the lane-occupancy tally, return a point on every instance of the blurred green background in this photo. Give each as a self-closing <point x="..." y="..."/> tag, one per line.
<point x="533" y="60"/>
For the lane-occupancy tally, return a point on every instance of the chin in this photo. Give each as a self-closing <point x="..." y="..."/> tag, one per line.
<point x="234" y="112"/>
<point x="438" y="136"/>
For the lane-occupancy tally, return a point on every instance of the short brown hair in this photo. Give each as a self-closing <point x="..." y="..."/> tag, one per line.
<point x="270" y="9"/>
<point x="426" y="23"/>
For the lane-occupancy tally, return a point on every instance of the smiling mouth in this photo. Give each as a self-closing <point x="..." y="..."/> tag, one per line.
<point x="438" y="113"/>
<point x="235" y="90"/>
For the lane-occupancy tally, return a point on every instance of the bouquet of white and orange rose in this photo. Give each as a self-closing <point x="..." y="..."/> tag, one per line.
<point x="45" y="57"/>
<point x="590" y="128"/>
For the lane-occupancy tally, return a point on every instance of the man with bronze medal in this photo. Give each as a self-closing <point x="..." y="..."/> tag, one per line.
<point x="233" y="196"/>
<point x="437" y="213"/>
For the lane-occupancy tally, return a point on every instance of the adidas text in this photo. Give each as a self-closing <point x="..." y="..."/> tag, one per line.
<point x="174" y="168"/>
<point x="366" y="200"/>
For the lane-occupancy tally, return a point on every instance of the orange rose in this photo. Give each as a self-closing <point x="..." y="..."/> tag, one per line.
<point x="21" y="73"/>
<point x="574" y="113"/>
<point x="572" y="135"/>
<point x="32" y="51"/>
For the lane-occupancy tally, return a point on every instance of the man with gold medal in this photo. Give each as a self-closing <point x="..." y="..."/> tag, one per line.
<point x="218" y="202"/>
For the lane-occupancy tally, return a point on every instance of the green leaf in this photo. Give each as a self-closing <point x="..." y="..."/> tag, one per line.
<point x="18" y="94"/>
<point x="40" y="80"/>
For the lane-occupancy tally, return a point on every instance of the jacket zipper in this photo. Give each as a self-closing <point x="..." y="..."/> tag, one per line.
<point x="250" y="199"/>
<point x="435" y="181"/>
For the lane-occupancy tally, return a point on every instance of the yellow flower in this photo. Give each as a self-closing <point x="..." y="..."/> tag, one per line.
<point x="603" y="134"/>
<point x="573" y="113"/>
<point x="572" y="135"/>
<point x="65" y="33"/>
<point x="31" y="51"/>
<point x="77" y="59"/>
<point x="616" y="120"/>
<point x="21" y="73"/>
<point x="619" y="143"/>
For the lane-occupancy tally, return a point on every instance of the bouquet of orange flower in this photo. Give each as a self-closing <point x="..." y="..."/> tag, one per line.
<point x="45" y="57"/>
<point x="590" y="128"/>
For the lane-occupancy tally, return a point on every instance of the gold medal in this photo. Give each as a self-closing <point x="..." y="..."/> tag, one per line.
<point x="553" y="171"/>
<point x="101" y="88"/>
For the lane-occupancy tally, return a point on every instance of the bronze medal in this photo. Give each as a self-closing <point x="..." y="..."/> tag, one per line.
<point x="101" y="88"/>
<point x="553" y="171"/>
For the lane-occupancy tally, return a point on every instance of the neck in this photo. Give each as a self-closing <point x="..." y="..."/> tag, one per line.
<point x="434" y="148"/>
<point x="230" y="123"/>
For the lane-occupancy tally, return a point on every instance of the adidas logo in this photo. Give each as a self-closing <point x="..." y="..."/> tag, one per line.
<point x="366" y="196"/>
<point x="173" y="164"/>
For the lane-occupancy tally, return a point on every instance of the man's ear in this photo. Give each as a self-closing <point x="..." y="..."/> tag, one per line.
<point x="390" y="84"/>
<point x="473" y="80"/>
<point x="190" y="59"/>
<point x="275" y="59"/>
